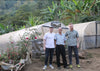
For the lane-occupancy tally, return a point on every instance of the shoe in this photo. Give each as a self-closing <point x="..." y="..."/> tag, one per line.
<point x="51" y="66"/>
<point x="59" y="68"/>
<point x="71" y="66"/>
<point x="66" y="67"/>
<point x="78" y="66"/>
<point x="45" y="67"/>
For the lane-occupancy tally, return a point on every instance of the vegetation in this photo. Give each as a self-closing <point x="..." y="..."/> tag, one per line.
<point x="18" y="14"/>
<point x="17" y="51"/>
<point x="73" y="11"/>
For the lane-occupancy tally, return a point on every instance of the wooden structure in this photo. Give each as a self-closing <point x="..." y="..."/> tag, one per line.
<point x="11" y="67"/>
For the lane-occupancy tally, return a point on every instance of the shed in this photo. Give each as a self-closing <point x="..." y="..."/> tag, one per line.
<point x="89" y="33"/>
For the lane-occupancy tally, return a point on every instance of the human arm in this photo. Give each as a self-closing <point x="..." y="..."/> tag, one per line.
<point x="55" y="38"/>
<point x="77" y="42"/>
<point x="44" y="43"/>
<point x="77" y="36"/>
<point x="65" y="39"/>
<point x="55" y="43"/>
<point x="66" y="34"/>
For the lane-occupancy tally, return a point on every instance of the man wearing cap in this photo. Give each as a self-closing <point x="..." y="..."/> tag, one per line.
<point x="48" y="46"/>
<point x="60" y="48"/>
<point x="73" y="44"/>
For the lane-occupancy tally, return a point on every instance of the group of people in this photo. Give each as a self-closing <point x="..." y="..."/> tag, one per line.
<point x="57" y="41"/>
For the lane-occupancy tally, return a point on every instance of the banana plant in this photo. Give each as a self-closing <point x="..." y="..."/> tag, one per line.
<point x="71" y="10"/>
<point x="2" y="29"/>
<point x="2" y="26"/>
<point x="33" y="21"/>
<point x="75" y="8"/>
<point x="51" y="13"/>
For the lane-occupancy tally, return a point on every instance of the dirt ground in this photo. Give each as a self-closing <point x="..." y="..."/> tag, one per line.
<point x="89" y="64"/>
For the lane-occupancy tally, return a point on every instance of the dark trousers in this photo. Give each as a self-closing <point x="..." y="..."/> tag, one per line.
<point x="49" y="55"/>
<point x="75" y="49"/>
<point x="60" y="49"/>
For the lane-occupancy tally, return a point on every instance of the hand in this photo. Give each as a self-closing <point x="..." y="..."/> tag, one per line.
<point x="55" y="46"/>
<point x="44" y="48"/>
<point x="77" y="45"/>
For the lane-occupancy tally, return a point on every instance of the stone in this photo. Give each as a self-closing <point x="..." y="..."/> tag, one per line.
<point x="82" y="54"/>
<point x="42" y="57"/>
<point x="89" y="61"/>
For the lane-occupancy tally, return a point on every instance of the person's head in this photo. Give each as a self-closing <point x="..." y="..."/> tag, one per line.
<point x="60" y="30"/>
<point x="51" y="29"/>
<point x="71" y="27"/>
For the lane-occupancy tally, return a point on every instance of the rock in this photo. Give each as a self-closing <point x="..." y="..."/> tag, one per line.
<point x="66" y="50"/>
<point x="89" y="61"/>
<point x="82" y="54"/>
<point x="42" y="57"/>
<point x="43" y="53"/>
<point x="36" y="54"/>
<point x="85" y="61"/>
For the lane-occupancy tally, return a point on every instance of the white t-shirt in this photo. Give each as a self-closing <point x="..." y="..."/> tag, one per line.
<point x="49" y="37"/>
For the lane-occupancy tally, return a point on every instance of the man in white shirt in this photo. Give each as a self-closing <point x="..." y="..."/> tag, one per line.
<point x="48" y="46"/>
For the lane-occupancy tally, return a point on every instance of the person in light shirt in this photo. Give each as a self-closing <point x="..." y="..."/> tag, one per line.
<point x="48" y="46"/>
<point x="60" y="40"/>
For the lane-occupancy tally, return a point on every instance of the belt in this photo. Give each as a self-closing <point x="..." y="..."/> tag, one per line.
<point x="60" y="44"/>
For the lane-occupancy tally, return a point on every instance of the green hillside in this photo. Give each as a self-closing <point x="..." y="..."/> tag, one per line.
<point x="18" y="14"/>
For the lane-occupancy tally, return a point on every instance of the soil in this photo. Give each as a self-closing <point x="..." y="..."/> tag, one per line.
<point x="90" y="64"/>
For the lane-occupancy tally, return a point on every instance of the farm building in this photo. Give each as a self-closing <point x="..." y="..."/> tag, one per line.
<point x="89" y="33"/>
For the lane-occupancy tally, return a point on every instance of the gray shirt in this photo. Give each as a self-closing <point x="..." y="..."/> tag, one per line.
<point x="72" y="37"/>
<point x="60" y="39"/>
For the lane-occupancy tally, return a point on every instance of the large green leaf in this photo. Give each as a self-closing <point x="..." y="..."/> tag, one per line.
<point x="75" y="2"/>
<point x="2" y="26"/>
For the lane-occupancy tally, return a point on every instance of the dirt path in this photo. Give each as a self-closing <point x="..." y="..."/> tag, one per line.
<point x="90" y="64"/>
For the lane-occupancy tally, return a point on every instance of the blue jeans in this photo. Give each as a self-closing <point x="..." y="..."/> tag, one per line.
<point x="75" y="49"/>
<point x="49" y="54"/>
